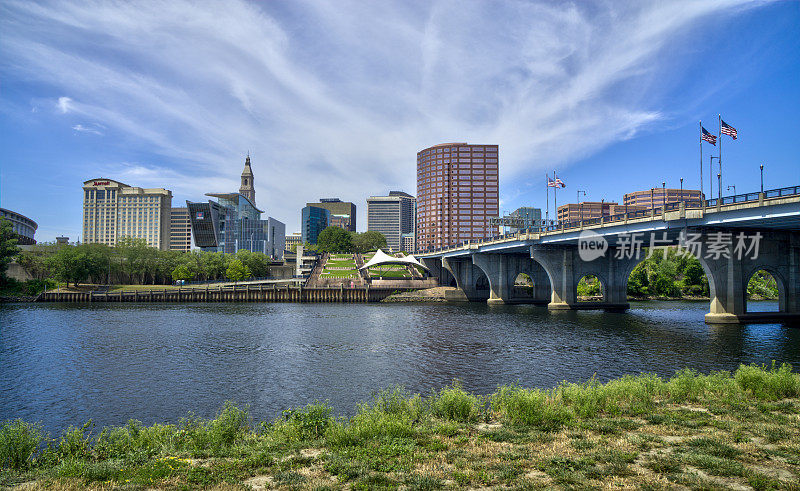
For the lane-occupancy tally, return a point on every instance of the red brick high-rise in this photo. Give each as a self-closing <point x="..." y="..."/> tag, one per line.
<point x="457" y="193"/>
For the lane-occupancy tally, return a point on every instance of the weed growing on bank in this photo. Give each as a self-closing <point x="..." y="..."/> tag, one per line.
<point x="696" y="430"/>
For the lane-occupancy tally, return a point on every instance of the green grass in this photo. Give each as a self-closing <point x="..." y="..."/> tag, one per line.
<point x="639" y="432"/>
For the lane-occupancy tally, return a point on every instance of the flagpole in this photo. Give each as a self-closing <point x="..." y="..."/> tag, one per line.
<point x="555" y="198"/>
<point x="719" y="184"/>
<point x="701" y="161"/>
<point x="547" y="199"/>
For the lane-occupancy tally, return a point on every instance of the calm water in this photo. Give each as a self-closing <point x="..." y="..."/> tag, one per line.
<point x="63" y="364"/>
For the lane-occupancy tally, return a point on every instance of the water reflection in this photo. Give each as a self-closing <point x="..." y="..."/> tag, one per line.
<point x="63" y="364"/>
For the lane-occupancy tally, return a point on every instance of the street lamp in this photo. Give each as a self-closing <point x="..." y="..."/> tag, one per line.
<point x="682" y="189"/>
<point x="663" y="196"/>
<point x="719" y="186"/>
<point x="580" y="204"/>
<point x="762" y="177"/>
<point x="734" y="188"/>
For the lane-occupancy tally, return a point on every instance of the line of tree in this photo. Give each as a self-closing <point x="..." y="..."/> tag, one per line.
<point x="676" y="275"/>
<point x="340" y="241"/>
<point x="132" y="261"/>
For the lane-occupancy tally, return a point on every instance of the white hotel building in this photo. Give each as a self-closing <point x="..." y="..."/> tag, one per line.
<point x="112" y="210"/>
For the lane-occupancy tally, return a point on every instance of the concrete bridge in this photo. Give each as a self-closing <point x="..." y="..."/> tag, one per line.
<point x="733" y="237"/>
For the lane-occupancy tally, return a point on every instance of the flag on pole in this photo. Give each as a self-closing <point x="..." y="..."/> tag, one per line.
<point x="727" y="129"/>
<point x="551" y="183"/>
<point x="559" y="183"/>
<point x="712" y="139"/>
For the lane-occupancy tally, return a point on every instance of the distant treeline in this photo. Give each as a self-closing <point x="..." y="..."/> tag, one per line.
<point x="132" y="262"/>
<point x="677" y="275"/>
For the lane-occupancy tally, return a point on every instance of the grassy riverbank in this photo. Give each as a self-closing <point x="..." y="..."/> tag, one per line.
<point x="701" y="431"/>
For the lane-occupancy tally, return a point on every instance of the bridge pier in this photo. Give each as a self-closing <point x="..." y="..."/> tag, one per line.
<point x="502" y="271"/>
<point x="729" y="274"/>
<point x="565" y="268"/>
<point x="438" y="271"/>
<point x="470" y="279"/>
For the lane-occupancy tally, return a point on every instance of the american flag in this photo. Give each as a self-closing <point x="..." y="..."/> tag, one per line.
<point x="727" y="129"/>
<point x="559" y="182"/>
<point x="712" y="139"/>
<point x="551" y="183"/>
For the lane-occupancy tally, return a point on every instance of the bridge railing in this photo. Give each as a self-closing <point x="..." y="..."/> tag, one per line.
<point x="778" y="193"/>
<point x="632" y="215"/>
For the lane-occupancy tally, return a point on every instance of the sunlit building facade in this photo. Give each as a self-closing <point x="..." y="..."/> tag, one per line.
<point x="393" y="216"/>
<point x="112" y="210"/>
<point x="457" y="194"/>
<point x="180" y="230"/>
<point x="233" y="223"/>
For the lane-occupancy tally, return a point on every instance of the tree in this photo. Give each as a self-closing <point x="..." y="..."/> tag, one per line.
<point x="8" y="245"/>
<point x="214" y="265"/>
<point x="638" y="282"/>
<point x="369" y="241"/>
<point x="182" y="273"/>
<point x="693" y="274"/>
<point x="335" y="239"/>
<point x="257" y="262"/>
<point x="237" y="271"/>
<point x="69" y="264"/>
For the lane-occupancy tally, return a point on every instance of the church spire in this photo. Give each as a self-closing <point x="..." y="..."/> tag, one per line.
<point x="247" y="189"/>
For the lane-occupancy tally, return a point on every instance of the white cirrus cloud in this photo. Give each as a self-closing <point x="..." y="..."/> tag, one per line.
<point x="64" y="104"/>
<point x="86" y="129"/>
<point x="335" y="97"/>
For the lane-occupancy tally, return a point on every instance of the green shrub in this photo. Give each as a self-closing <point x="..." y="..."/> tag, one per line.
<point x="18" y="443"/>
<point x="768" y="383"/>
<point x="308" y="423"/>
<point x="530" y="407"/>
<point x="633" y="395"/>
<point x="204" y="438"/>
<point x="395" y="400"/>
<point x="454" y="403"/>
<point x="392" y="413"/>
<point x="136" y="441"/>
<point x="229" y="425"/>
<point x="686" y="385"/>
<point x="75" y="442"/>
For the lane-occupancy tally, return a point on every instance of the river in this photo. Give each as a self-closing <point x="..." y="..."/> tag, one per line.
<point x="61" y="364"/>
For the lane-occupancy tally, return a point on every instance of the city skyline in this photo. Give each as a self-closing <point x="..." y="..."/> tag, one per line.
<point x="596" y="94"/>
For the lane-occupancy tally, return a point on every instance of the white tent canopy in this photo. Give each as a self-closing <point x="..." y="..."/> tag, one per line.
<point x="381" y="258"/>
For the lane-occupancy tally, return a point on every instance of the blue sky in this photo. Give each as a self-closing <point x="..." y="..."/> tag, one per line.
<point x="335" y="98"/>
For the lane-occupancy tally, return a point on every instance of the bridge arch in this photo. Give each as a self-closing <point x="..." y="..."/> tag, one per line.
<point x="591" y="285"/>
<point x="760" y="274"/>
<point x="502" y="270"/>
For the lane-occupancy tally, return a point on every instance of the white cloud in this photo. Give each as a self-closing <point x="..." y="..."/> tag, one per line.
<point x="64" y="104"/>
<point x="86" y="129"/>
<point x="334" y="98"/>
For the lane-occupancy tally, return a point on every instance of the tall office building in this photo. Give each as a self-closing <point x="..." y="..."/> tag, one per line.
<point x="313" y="220"/>
<point x="112" y="210"/>
<point x="393" y="216"/>
<point x="342" y="213"/>
<point x="233" y="224"/>
<point x="457" y="193"/>
<point x="180" y="230"/>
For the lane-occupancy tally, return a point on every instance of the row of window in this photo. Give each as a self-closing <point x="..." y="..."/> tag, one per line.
<point x="431" y="151"/>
